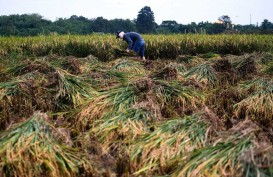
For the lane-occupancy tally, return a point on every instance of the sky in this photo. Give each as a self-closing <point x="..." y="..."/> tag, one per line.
<point x="182" y="11"/>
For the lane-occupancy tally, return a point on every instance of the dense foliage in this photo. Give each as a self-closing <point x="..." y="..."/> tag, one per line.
<point x="145" y="21"/>
<point x="35" y="24"/>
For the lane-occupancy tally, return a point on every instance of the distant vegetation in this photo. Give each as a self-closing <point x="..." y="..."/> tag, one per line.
<point x="35" y="24"/>
<point x="107" y="47"/>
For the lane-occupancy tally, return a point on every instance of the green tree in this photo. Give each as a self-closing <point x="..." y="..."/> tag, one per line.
<point x="145" y="22"/>
<point x="247" y="29"/>
<point x="266" y="25"/>
<point x="168" y="26"/>
<point x="60" y="26"/>
<point x="101" y="25"/>
<point x="120" y="24"/>
<point x="183" y="28"/>
<point x="73" y="25"/>
<point x="24" y="25"/>
<point x="213" y="28"/>
<point x="7" y="26"/>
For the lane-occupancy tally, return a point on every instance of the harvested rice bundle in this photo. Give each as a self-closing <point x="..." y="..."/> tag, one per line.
<point x="31" y="148"/>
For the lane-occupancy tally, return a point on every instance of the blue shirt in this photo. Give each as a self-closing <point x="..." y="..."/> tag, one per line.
<point x="131" y="38"/>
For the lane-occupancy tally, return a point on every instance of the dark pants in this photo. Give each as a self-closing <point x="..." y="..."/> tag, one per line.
<point x="139" y="47"/>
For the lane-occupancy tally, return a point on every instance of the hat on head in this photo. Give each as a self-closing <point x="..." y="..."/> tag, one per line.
<point x="117" y="33"/>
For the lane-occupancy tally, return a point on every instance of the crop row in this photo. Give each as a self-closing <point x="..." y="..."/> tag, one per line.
<point x="107" y="47"/>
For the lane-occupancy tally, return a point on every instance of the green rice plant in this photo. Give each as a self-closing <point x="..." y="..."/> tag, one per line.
<point x="184" y="58"/>
<point x="106" y="47"/>
<point x="268" y="68"/>
<point x="91" y="62"/>
<point x="28" y="66"/>
<point x="20" y="86"/>
<point x="221" y="157"/>
<point x="68" y="88"/>
<point x="9" y="88"/>
<point x="121" y="76"/>
<point x="22" y="95"/>
<point x="180" y="67"/>
<point x="266" y="57"/>
<point x="218" y="160"/>
<point x="72" y="88"/>
<point x="258" y="161"/>
<point x="204" y="74"/>
<point x="128" y="66"/>
<point x="41" y="85"/>
<point x="50" y="63"/>
<point x="8" y="62"/>
<point x="259" y="103"/>
<point x="120" y="98"/>
<point x="31" y="148"/>
<point x="72" y="64"/>
<point x="123" y="127"/>
<point x="190" y="61"/>
<point x="245" y="66"/>
<point x="153" y="151"/>
<point x="209" y="55"/>
<point x="108" y="101"/>
<point x="255" y="84"/>
<point x="140" y="104"/>
<point x="103" y="79"/>
<point x="169" y="72"/>
<point x="182" y="97"/>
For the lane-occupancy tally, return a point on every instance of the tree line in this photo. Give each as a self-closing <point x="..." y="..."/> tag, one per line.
<point x="35" y="24"/>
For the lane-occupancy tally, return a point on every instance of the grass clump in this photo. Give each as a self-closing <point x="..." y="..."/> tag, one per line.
<point x="170" y="139"/>
<point x="162" y="94"/>
<point x="204" y="74"/>
<point x="221" y="157"/>
<point x="31" y="148"/>
<point x="209" y="55"/>
<point x="258" y="104"/>
<point x="128" y="66"/>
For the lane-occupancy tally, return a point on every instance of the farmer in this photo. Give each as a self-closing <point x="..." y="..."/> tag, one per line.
<point x="135" y="42"/>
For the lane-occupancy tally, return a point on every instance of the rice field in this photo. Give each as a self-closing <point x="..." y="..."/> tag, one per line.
<point x="201" y="105"/>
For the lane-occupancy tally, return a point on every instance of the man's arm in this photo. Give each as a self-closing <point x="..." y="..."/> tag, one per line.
<point x="129" y="42"/>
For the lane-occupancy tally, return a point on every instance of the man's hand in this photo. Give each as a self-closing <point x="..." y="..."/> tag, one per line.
<point x="127" y="50"/>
